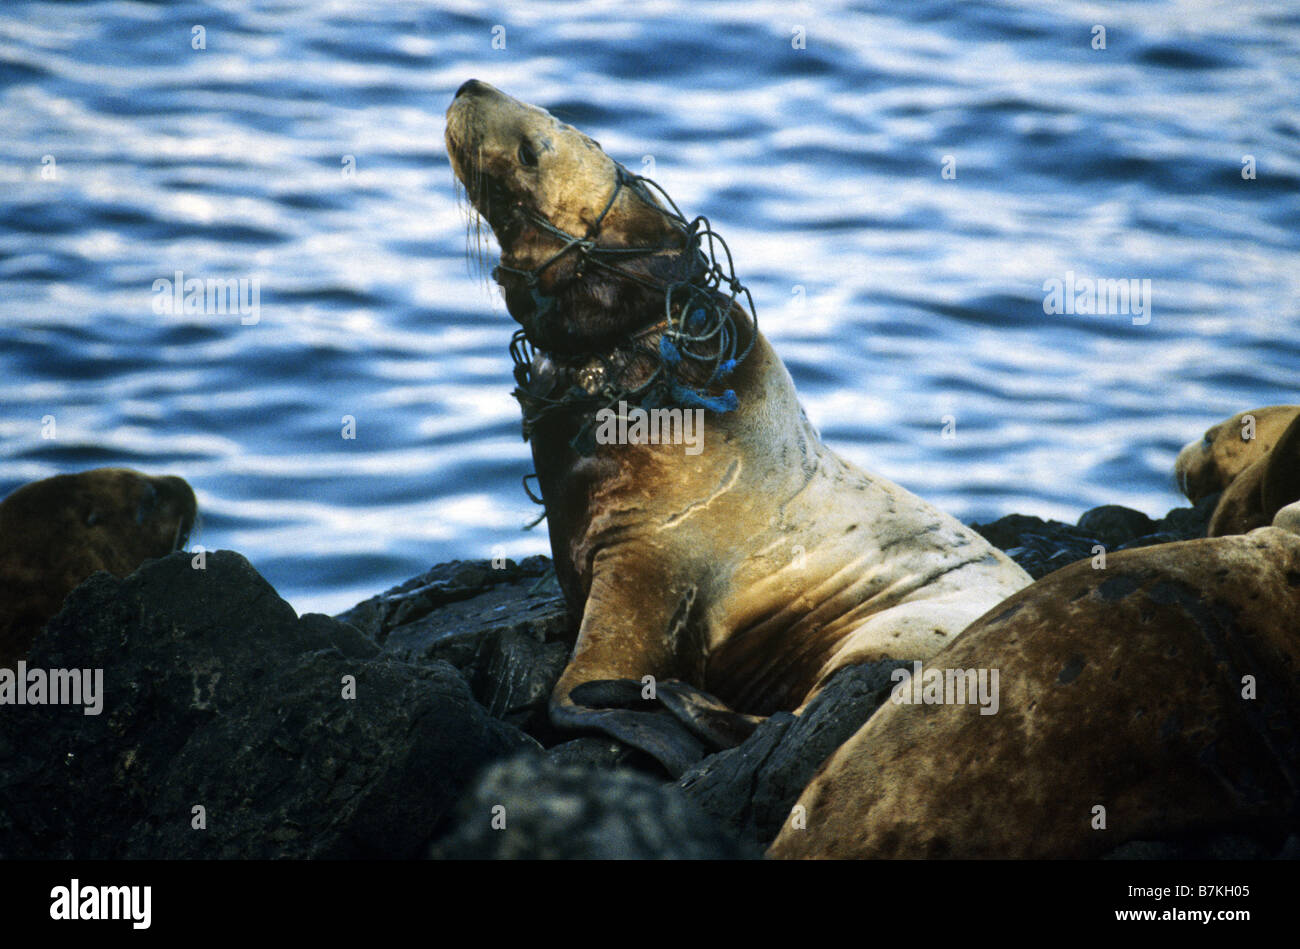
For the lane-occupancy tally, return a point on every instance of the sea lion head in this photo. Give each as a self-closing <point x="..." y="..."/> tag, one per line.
<point x="1211" y="463"/>
<point x="541" y="184"/>
<point x="1256" y="494"/>
<point x="114" y="517"/>
<point x="57" y="532"/>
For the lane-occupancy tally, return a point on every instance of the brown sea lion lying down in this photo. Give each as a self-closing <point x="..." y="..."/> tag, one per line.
<point x="1158" y="697"/>
<point x="57" y="532"/>
<point x="753" y="567"/>
<point x="1210" y="463"/>
<point x="1254" y="459"/>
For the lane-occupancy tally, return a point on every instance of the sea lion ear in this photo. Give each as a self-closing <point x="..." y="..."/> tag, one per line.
<point x="1281" y="482"/>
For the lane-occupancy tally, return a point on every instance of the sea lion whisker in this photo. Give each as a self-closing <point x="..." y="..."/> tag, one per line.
<point x="476" y="242"/>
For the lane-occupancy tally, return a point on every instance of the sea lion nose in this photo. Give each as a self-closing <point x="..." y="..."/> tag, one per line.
<point x="471" y="86"/>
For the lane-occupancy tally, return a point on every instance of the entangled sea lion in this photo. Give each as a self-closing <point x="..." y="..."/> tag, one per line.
<point x="1253" y="458"/>
<point x="749" y="570"/>
<point x="57" y="532"/>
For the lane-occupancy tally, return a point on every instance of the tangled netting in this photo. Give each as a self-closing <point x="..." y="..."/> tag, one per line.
<point x="698" y="328"/>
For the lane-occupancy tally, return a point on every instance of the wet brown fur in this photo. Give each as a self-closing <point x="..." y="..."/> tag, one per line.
<point x="57" y="532"/>
<point x="1120" y="687"/>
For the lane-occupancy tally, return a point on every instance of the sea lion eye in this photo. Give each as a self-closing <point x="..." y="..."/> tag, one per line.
<point x="527" y="156"/>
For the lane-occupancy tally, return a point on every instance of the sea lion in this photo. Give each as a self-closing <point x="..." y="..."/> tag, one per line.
<point x="1257" y="476"/>
<point x="1254" y="496"/>
<point x="1211" y="463"/>
<point x="749" y="571"/>
<point x="1125" y="689"/>
<point x="57" y="532"/>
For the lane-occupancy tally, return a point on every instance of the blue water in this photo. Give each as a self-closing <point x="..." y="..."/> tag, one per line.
<point x="896" y="297"/>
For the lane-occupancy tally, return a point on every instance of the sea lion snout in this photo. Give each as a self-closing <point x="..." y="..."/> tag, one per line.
<point x="472" y="87"/>
<point x="505" y="153"/>
<point x="512" y="156"/>
<point x="585" y="246"/>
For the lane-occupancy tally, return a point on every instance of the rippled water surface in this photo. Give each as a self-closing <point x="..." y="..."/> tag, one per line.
<point x="895" y="295"/>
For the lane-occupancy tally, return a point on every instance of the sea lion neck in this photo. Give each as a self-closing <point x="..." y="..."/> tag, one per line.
<point x="673" y="363"/>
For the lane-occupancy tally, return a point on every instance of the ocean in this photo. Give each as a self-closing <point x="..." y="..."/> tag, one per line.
<point x="909" y="191"/>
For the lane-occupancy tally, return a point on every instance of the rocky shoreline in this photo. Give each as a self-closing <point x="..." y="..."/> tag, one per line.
<point x="413" y="723"/>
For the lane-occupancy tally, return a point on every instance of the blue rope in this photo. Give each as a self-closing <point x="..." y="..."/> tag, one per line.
<point x="668" y="351"/>
<point x="687" y="397"/>
<point x="700" y="332"/>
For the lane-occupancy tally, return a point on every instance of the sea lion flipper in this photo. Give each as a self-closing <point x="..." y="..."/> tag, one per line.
<point x="657" y="734"/>
<point x="611" y="694"/>
<point x="610" y="704"/>
<point x="630" y="637"/>
<point x="707" y="716"/>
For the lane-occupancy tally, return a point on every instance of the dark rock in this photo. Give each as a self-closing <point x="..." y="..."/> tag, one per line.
<point x="217" y="694"/>
<point x="506" y="630"/>
<point x="1040" y="555"/>
<point x="1039" y="546"/>
<point x="1113" y="524"/>
<point x="554" y="811"/>
<point x="1188" y="523"/>
<point x="516" y="681"/>
<point x="1150" y="540"/>
<point x="437" y="587"/>
<point x="1181" y="523"/>
<point x="612" y="693"/>
<point x="750" y="789"/>
<point x="1011" y="530"/>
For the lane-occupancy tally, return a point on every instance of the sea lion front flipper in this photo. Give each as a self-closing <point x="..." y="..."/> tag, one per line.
<point x="657" y="733"/>
<point x="632" y="632"/>
<point x="706" y="716"/>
